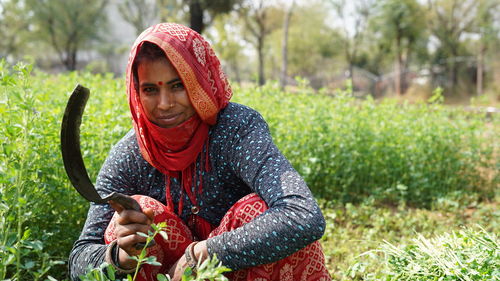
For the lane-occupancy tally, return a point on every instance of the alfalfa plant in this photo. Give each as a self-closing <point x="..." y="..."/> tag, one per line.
<point x="22" y="257"/>
<point x="466" y="255"/>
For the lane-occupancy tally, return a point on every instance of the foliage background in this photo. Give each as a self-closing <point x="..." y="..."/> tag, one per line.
<point x="403" y="48"/>
<point x="381" y="170"/>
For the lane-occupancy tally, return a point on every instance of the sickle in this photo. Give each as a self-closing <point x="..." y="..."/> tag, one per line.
<point x="73" y="160"/>
<point x="72" y="155"/>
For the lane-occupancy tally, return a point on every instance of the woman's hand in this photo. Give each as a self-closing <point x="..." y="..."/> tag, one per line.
<point x="127" y="224"/>
<point x="201" y="253"/>
<point x="177" y="269"/>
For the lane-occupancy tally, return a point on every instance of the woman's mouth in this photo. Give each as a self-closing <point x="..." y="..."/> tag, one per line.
<point x="168" y="120"/>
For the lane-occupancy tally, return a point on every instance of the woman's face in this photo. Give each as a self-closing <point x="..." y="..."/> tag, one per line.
<point x="162" y="94"/>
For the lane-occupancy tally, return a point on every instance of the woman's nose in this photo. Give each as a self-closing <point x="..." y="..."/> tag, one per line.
<point x="166" y="100"/>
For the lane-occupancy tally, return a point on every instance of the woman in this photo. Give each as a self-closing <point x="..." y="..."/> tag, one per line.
<point x="204" y="165"/>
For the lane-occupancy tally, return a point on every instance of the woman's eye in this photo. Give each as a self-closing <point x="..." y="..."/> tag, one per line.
<point x="149" y="90"/>
<point x="178" y="86"/>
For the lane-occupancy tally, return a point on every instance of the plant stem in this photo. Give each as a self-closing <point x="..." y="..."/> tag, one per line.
<point x="19" y="184"/>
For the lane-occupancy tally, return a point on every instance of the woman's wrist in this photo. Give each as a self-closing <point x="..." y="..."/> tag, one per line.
<point x="195" y="254"/>
<point x="115" y="256"/>
<point x="200" y="250"/>
<point x="190" y="256"/>
<point x="124" y="259"/>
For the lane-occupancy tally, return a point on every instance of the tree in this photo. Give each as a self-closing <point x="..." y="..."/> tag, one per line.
<point x="402" y="23"/>
<point x="68" y="25"/>
<point x="354" y="25"/>
<point x="228" y="45"/>
<point x="144" y="13"/>
<point x="139" y="13"/>
<point x="449" y="20"/>
<point x="487" y="30"/>
<point x="170" y="10"/>
<point x="258" y="24"/>
<point x="284" y="52"/>
<point x="14" y="24"/>
<point x="202" y="12"/>
<point x="314" y="46"/>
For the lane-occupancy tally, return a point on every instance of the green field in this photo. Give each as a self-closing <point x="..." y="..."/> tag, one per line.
<point x="381" y="170"/>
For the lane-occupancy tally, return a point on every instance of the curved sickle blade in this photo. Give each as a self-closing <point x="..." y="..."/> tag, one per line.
<point x="73" y="160"/>
<point x="70" y="145"/>
<point x="72" y="155"/>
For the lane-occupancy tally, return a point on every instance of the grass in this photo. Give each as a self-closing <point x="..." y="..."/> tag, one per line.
<point x="467" y="255"/>
<point x="355" y="232"/>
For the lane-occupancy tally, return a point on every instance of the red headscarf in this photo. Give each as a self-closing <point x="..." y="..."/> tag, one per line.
<point x="174" y="151"/>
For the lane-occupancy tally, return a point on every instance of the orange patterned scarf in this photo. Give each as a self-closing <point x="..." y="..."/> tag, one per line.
<point x="174" y="151"/>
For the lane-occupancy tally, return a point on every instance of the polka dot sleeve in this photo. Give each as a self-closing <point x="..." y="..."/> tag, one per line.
<point x="293" y="220"/>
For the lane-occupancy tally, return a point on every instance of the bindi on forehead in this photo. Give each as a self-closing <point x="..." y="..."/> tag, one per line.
<point x="160" y="83"/>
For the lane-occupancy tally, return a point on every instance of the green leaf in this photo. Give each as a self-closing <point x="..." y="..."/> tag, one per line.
<point x="26" y="234"/>
<point x="162" y="277"/>
<point x="22" y="201"/>
<point x="154" y="263"/>
<point x="29" y="265"/>
<point x="187" y="272"/>
<point x="111" y="272"/>
<point x="9" y="260"/>
<point x="164" y="235"/>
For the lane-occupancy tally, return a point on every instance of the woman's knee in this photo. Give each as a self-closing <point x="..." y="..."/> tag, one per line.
<point x="147" y="202"/>
<point x="249" y="207"/>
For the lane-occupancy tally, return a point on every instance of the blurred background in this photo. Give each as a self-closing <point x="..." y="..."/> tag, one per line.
<point x="387" y="48"/>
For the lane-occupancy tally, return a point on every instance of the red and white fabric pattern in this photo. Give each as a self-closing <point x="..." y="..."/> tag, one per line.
<point x="307" y="264"/>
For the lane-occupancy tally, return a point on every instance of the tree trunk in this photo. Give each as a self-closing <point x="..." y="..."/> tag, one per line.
<point x="350" y="60"/>
<point x="71" y="56"/>
<point x="479" y="82"/>
<point x="196" y="16"/>
<point x="284" y="50"/>
<point x="454" y="75"/>
<point x="236" y="72"/>
<point x="399" y="64"/>
<point x="260" y="53"/>
<point x="72" y="62"/>
<point x="453" y="70"/>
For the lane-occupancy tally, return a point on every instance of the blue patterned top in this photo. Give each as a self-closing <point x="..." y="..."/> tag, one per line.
<point x="243" y="159"/>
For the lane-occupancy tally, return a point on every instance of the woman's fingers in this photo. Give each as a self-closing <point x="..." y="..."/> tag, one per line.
<point x="177" y="270"/>
<point x="131" y="229"/>
<point x="128" y="243"/>
<point x="131" y="216"/>
<point x="116" y="206"/>
<point x="149" y="213"/>
<point x="128" y="238"/>
<point x="127" y="224"/>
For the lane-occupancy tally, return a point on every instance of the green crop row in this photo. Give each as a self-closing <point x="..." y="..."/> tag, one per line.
<point x="346" y="149"/>
<point x="40" y="213"/>
<point x="465" y="255"/>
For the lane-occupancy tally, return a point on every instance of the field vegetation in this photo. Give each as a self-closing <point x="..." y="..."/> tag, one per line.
<point x="395" y="180"/>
